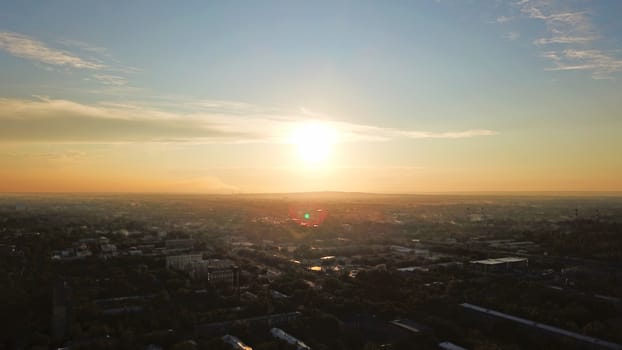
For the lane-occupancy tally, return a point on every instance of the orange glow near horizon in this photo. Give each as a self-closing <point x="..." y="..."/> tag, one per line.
<point x="291" y="180"/>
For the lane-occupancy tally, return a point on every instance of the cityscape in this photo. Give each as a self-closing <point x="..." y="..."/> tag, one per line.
<point x="310" y="175"/>
<point x="379" y="272"/>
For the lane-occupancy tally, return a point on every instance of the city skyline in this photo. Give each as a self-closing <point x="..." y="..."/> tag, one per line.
<point x="206" y="97"/>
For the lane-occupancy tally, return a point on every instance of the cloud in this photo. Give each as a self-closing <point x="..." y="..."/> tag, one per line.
<point x="57" y="157"/>
<point x="572" y="37"/>
<point x="109" y="71"/>
<point x="503" y="19"/>
<point x="512" y="36"/>
<point x="108" y="79"/>
<point x="601" y="64"/>
<point x="25" y="47"/>
<point x="563" y="40"/>
<point x="563" y="26"/>
<point x="62" y="121"/>
<point x="358" y="132"/>
<point x="83" y="46"/>
<point x="447" y="134"/>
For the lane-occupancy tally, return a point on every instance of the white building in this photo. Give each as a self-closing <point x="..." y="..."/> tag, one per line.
<point x="449" y="346"/>
<point x="281" y="334"/>
<point x="501" y="264"/>
<point x="180" y="262"/>
<point x="235" y="342"/>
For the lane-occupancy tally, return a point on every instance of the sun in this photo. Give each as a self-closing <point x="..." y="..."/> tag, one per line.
<point x="314" y="141"/>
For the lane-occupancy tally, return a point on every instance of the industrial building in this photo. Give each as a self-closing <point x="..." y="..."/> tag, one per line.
<point x="221" y="272"/>
<point x="449" y="346"/>
<point x="259" y="321"/>
<point x="500" y="264"/>
<point x="281" y="334"/>
<point x="215" y="271"/>
<point x="235" y="343"/>
<point x="594" y="343"/>
<point x="179" y="262"/>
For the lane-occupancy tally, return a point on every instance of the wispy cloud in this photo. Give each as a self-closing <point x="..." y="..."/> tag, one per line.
<point x="571" y="39"/>
<point x="63" y="121"/>
<point x="563" y="40"/>
<point x="358" y="132"/>
<point x="602" y="65"/>
<point x="512" y="36"/>
<point x="109" y="79"/>
<point x="25" y="47"/>
<point x="64" y="157"/>
<point x="86" y="57"/>
<point x="503" y="19"/>
<point x="447" y="134"/>
<point x="83" y="46"/>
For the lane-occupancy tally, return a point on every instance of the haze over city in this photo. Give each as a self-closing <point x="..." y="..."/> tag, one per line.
<point x="292" y="96"/>
<point x="298" y="175"/>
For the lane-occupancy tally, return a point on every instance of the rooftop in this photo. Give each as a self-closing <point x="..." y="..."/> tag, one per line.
<point x="499" y="261"/>
<point x="544" y="327"/>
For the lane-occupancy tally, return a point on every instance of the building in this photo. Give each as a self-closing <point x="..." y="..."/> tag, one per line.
<point x="62" y="298"/>
<point x="235" y="342"/>
<point x="275" y="294"/>
<point x="401" y="250"/>
<point x="179" y="262"/>
<point x="282" y="335"/>
<point x="215" y="271"/>
<point x="591" y="342"/>
<point x="449" y="346"/>
<point x="433" y="267"/>
<point x="220" y="272"/>
<point x="179" y="245"/>
<point x="500" y="264"/>
<point x="208" y="329"/>
<point x="514" y="246"/>
<point x="108" y="250"/>
<point x="410" y="326"/>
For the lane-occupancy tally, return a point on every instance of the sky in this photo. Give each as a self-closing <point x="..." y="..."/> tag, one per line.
<point x="294" y="96"/>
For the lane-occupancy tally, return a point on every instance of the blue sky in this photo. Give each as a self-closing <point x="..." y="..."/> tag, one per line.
<point x="477" y="88"/>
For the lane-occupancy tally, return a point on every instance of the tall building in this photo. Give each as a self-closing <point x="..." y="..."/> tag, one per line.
<point x="61" y="310"/>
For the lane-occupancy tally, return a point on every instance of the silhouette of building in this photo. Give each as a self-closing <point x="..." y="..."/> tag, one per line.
<point x="62" y="300"/>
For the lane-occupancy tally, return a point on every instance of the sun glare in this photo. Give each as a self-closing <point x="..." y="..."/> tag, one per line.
<point x="314" y="141"/>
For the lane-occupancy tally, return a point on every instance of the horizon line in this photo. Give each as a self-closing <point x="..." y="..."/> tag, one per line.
<point x="510" y="193"/>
